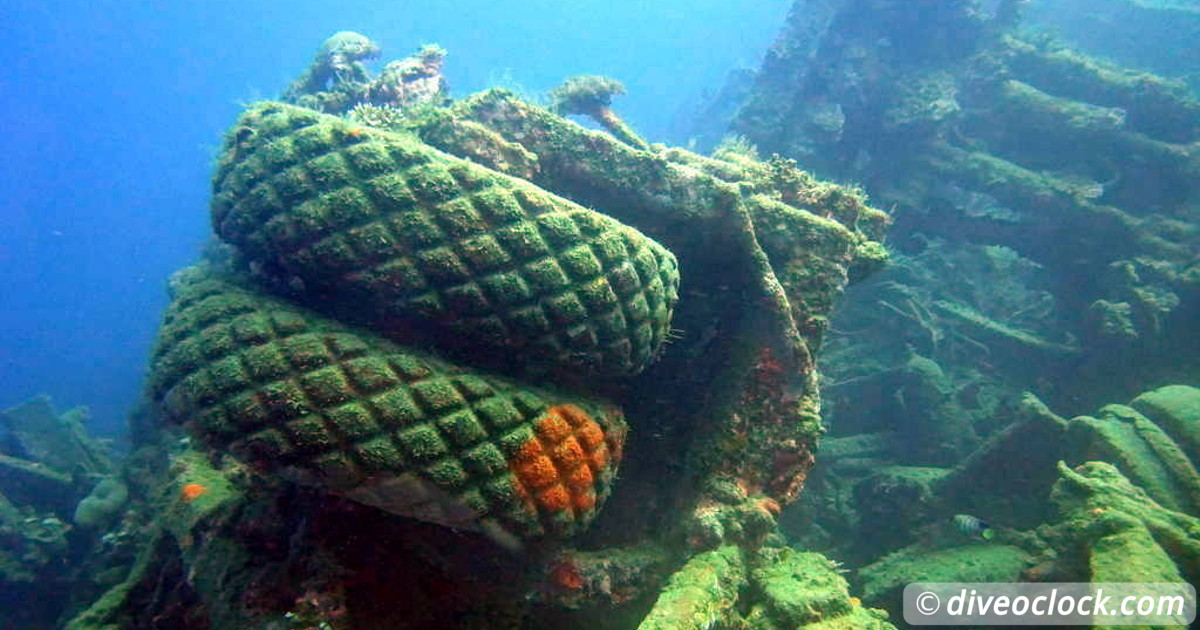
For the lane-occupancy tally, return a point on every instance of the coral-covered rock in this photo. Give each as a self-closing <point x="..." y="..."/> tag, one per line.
<point x="103" y="504"/>
<point x="376" y="229"/>
<point x="883" y="581"/>
<point x="411" y="82"/>
<point x="1140" y="449"/>
<point x="702" y="594"/>
<point x="336" y="76"/>
<point x="1126" y="535"/>
<point x="415" y="238"/>
<point x="768" y="247"/>
<point x="290" y="392"/>
<point x="1176" y="410"/>
<point x="805" y="590"/>
<point x="35" y="432"/>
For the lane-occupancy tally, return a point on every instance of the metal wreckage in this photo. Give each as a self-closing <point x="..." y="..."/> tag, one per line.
<point x="471" y="364"/>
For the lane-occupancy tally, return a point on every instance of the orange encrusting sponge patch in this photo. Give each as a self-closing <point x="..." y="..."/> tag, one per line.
<point x="557" y="469"/>
<point x="191" y="492"/>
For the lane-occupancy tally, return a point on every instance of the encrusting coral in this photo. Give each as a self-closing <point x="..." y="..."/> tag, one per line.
<point x="591" y="95"/>
<point x="414" y="81"/>
<point x="1125" y="535"/>
<point x="335" y="72"/>
<point x="980" y="132"/>
<point x="102" y="504"/>
<point x="414" y="238"/>
<point x="338" y="81"/>
<point x="544" y="264"/>
<point x="287" y="391"/>
<point x="1116" y="510"/>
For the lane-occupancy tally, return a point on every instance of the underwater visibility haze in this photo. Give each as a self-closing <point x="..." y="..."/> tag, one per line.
<point x="118" y="109"/>
<point x="617" y="315"/>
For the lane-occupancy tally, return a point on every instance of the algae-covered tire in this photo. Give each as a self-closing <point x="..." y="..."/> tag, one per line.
<point x="291" y="392"/>
<point x="401" y="230"/>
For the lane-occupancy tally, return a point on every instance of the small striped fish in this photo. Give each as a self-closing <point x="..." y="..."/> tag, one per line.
<point x="973" y="526"/>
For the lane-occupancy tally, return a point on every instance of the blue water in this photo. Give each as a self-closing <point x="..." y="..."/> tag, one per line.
<point x="113" y="111"/>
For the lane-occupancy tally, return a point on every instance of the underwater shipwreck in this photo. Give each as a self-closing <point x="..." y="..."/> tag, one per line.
<point x="469" y="363"/>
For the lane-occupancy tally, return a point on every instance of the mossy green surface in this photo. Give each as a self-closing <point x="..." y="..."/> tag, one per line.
<point x="109" y="612"/>
<point x="769" y="589"/>
<point x="1141" y="450"/>
<point x="1126" y="533"/>
<point x="701" y="594"/>
<point x="1155" y="106"/>
<point x="59" y="442"/>
<point x="1128" y="553"/>
<point x="883" y="581"/>
<point x="1176" y="410"/>
<point x="31" y="483"/>
<point x="657" y="186"/>
<point x="805" y="590"/>
<point x="102" y="504"/>
<point x="347" y="410"/>
<point x="858" y="618"/>
<point x="789" y="240"/>
<point x="403" y="230"/>
<point x="198" y="491"/>
<point x="591" y="95"/>
<point x="1009" y="182"/>
<point x="1073" y="120"/>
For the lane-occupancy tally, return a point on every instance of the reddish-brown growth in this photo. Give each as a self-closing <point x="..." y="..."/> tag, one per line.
<point x="768" y="370"/>
<point x="566" y="575"/>
<point x="770" y="506"/>
<point x="191" y="492"/>
<point x="557" y="469"/>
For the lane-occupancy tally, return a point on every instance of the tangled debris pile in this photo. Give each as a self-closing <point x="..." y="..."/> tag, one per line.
<point x="1046" y="209"/>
